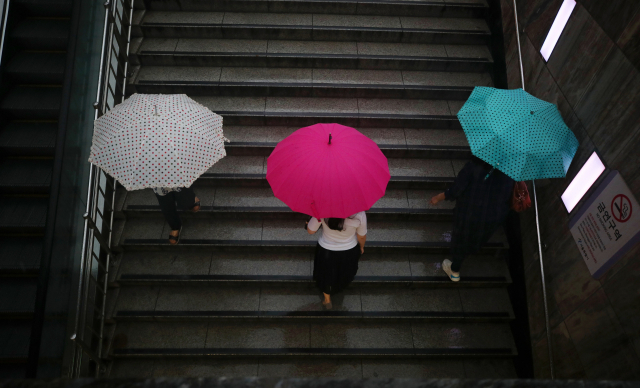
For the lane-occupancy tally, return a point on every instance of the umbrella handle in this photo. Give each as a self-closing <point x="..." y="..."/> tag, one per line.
<point x="329" y="138"/>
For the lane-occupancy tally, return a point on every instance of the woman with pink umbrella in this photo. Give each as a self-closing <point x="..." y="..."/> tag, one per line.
<point x="332" y="173"/>
<point x="338" y="252"/>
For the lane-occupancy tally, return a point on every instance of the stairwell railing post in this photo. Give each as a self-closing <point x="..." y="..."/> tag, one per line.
<point x="110" y="254"/>
<point x="126" y="63"/>
<point x="91" y="310"/>
<point x="87" y="350"/>
<point x="535" y="201"/>
<point x="92" y="173"/>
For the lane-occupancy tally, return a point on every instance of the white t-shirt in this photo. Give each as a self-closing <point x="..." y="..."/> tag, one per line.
<point x="340" y="240"/>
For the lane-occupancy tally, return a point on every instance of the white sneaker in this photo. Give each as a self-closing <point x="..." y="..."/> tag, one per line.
<point x="446" y="267"/>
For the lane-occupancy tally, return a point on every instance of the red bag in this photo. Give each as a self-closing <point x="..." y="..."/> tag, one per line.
<point x="520" y="200"/>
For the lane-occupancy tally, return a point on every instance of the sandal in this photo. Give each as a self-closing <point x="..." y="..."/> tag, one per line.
<point x="175" y="238"/>
<point x="196" y="204"/>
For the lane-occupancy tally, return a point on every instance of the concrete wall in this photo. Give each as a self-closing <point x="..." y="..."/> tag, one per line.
<point x="593" y="77"/>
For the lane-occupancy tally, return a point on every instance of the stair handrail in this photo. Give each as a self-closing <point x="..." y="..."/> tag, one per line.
<point x="4" y="17"/>
<point x="535" y="202"/>
<point x="96" y="254"/>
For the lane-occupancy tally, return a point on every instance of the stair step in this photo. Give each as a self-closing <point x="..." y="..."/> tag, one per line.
<point x="33" y="102"/>
<point x="185" y="302"/>
<point x="394" y="142"/>
<point x="319" y="27"/>
<point x="269" y="233"/>
<point x="478" y="269"/>
<point x="255" y="148"/>
<point x="301" y="82"/>
<point x="18" y="138"/>
<point x="45" y="8"/>
<point x="42" y="34"/>
<point x="284" y="339"/>
<point x="20" y="256"/>
<point x="358" y="368"/>
<point x="316" y="352"/>
<point x="431" y="174"/>
<point x="409" y="281"/>
<point x="461" y="8"/>
<point x="23" y="214"/>
<point x="249" y="201"/>
<point x="37" y="68"/>
<point x="320" y="315"/>
<point x="353" y="112"/>
<point x="25" y="176"/>
<point x="312" y="54"/>
<point x="216" y="212"/>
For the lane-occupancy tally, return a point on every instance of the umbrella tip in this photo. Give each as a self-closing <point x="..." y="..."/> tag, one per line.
<point x="329" y="137"/>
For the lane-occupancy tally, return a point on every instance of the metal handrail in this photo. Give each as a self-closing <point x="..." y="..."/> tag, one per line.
<point x="98" y="224"/>
<point x="4" y="17"/>
<point x="535" y="202"/>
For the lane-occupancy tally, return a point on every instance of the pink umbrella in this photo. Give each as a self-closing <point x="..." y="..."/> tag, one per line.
<point x="328" y="170"/>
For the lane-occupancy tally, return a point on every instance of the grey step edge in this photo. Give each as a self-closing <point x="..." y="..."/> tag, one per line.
<point x="280" y="89"/>
<point x="305" y="316"/>
<point x="299" y="32"/>
<point x="308" y="246"/>
<point x="140" y="211"/>
<point x="371" y="120"/>
<point x="236" y="148"/>
<point x="259" y="180"/>
<point x="348" y="7"/>
<point x="316" y="352"/>
<point x="333" y="61"/>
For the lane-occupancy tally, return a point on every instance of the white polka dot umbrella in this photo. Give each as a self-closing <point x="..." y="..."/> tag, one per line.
<point x="156" y="140"/>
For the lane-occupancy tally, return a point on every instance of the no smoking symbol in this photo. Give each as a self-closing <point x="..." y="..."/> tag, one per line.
<point x="621" y="208"/>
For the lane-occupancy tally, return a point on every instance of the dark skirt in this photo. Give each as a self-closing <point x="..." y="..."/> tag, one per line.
<point x="334" y="270"/>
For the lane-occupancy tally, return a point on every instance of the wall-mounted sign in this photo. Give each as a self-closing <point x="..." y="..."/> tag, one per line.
<point x="608" y="224"/>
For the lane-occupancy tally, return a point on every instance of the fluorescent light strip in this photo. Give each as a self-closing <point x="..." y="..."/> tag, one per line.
<point x="585" y="178"/>
<point x="556" y="28"/>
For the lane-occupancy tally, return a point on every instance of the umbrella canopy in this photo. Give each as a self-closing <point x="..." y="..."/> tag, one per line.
<point x="155" y="140"/>
<point x="517" y="133"/>
<point x="328" y="170"/>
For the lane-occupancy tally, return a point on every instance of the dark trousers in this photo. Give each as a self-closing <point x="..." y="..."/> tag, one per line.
<point x="458" y="255"/>
<point x="184" y="199"/>
<point x="456" y="262"/>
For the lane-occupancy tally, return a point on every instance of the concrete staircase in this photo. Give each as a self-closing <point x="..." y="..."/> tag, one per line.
<point x="235" y="297"/>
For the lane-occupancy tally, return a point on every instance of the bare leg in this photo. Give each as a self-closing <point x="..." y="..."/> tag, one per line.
<point x="327" y="301"/>
<point x="174" y="233"/>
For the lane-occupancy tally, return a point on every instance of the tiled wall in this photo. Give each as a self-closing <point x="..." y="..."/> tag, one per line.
<point x="593" y="76"/>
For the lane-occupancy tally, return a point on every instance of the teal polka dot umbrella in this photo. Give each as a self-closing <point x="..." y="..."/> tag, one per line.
<point x="517" y="133"/>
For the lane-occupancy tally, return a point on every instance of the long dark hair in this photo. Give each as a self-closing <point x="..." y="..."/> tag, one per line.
<point x="335" y="223"/>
